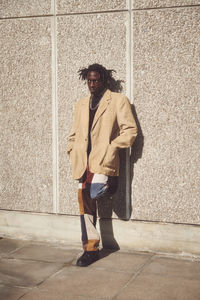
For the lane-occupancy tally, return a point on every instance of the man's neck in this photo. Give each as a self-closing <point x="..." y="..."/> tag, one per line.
<point x="96" y="98"/>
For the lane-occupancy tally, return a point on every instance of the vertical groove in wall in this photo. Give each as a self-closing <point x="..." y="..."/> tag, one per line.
<point x="129" y="94"/>
<point x="54" y="111"/>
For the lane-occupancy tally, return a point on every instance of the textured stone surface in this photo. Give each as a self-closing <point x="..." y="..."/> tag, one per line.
<point x="162" y="3"/>
<point x="78" y="6"/>
<point x="25" y="123"/>
<point x="22" y="8"/>
<point x="83" y="40"/>
<point x="166" y="95"/>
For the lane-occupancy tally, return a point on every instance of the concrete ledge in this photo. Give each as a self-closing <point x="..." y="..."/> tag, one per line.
<point x="128" y="235"/>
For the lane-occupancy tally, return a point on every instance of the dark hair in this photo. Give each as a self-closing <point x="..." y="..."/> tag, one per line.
<point x="105" y="75"/>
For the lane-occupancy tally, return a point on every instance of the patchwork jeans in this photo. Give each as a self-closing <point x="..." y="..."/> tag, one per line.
<point x="92" y="187"/>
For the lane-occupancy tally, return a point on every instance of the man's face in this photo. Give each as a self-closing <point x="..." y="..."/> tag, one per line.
<point x="95" y="84"/>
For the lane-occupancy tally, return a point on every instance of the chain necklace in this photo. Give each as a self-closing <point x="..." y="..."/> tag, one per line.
<point x="94" y="108"/>
<point x="100" y="97"/>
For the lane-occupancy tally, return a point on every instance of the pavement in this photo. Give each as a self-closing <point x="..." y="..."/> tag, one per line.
<point x="43" y="271"/>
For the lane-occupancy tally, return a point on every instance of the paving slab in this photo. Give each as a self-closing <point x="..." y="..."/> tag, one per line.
<point x="60" y="295"/>
<point x="12" y="293"/>
<point x="80" y="282"/>
<point x="25" y="273"/>
<point x="165" y="279"/>
<point x="126" y="262"/>
<point x="48" y="253"/>
<point x="154" y="287"/>
<point x="164" y="266"/>
<point x="9" y="245"/>
<point x="44" y="271"/>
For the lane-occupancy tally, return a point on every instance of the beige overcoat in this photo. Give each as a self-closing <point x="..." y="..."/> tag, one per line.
<point x="113" y="128"/>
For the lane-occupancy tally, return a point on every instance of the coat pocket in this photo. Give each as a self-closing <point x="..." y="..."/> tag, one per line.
<point x="110" y="158"/>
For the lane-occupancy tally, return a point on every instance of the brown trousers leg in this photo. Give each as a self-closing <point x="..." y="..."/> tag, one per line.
<point x="88" y="215"/>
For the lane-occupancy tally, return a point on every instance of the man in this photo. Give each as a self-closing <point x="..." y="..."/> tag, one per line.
<point x="103" y="123"/>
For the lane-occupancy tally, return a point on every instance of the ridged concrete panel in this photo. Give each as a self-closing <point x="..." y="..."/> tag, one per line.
<point x="23" y="8"/>
<point x="140" y="4"/>
<point x="25" y="123"/>
<point x="128" y="235"/>
<point x="83" y="40"/>
<point x="78" y="6"/>
<point x="166" y="94"/>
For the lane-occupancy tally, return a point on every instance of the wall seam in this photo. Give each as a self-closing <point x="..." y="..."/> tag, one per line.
<point x="54" y="112"/>
<point x="64" y="14"/>
<point x="93" y="12"/>
<point x="25" y="17"/>
<point x="166" y="7"/>
<point x="98" y="12"/>
<point x="129" y="94"/>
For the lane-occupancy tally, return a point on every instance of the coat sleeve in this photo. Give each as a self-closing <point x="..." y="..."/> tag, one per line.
<point x="72" y="135"/>
<point x="127" y="125"/>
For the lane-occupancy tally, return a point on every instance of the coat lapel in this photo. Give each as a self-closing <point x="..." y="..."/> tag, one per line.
<point x="102" y="107"/>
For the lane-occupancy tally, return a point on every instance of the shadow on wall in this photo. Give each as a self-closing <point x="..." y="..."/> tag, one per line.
<point x="118" y="203"/>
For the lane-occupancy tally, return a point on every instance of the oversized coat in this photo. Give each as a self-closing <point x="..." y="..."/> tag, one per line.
<point x="113" y="128"/>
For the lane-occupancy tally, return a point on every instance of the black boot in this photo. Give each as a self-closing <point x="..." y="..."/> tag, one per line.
<point x="87" y="258"/>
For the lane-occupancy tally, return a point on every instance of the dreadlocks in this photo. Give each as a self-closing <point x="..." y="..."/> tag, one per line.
<point x="105" y="75"/>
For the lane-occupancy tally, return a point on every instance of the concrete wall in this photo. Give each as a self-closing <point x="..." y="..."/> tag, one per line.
<point x="154" y="48"/>
<point x="166" y="66"/>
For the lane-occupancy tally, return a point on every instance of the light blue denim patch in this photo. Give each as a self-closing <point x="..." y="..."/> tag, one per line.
<point x="98" y="190"/>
